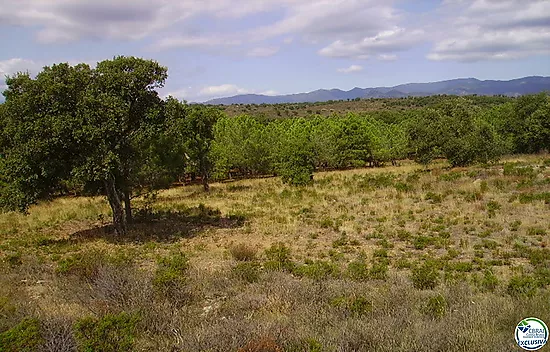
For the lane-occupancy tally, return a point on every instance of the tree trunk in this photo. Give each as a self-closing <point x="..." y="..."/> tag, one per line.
<point x="119" y="220"/>
<point x="128" y="207"/>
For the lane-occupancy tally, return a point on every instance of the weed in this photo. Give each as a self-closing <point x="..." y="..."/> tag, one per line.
<point x="358" y="270"/>
<point x="489" y="282"/>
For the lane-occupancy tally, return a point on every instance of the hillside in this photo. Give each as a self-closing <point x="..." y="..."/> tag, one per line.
<point x="462" y="86"/>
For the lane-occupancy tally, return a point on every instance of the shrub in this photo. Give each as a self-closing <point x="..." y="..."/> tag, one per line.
<point x="248" y="271"/>
<point x="279" y="258"/>
<point x="436" y="307"/>
<point x="434" y="197"/>
<point x="356" y="305"/>
<point x="243" y="252"/>
<point x="358" y="270"/>
<point x="169" y="273"/>
<point x="522" y="285"/>
<point x="318" y="270"/>
<point x="111" y="333"/>
<point x="421" y="242"/>
<point x="24" y="337"/>
<point x="489" y="281"/>
<point x="492" y="207"/>
<point x="379" y="270"/>
<point x="425" y="276"/>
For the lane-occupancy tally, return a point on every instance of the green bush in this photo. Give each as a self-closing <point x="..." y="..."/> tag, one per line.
<point x="522" y="285"/>
<point x="379" y="270"/>
<point x="425" y="276"/>
<point x="421" y="242"/>
<point x="170" y="271"/>
<point x="356" y="305"/>
<point x="436" y="307"/>
<point x="318" y="270"/>
<point x="110" y="333"/>
<point x="434" y="197"/>
<point x="279" y="258"/>
<point x="248" y="271"/>
<point x="24" y="337"/>
<point x="358" y="270"/>
<point x="489" y="282"/>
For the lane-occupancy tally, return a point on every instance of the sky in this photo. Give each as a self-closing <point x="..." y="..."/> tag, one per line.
<point x="218" y="48"/>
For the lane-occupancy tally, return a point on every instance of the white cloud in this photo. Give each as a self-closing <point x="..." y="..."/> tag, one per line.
<point x="269" y="92"/>
<point x="15" y="65"/>
<point x="351" y="69"/>
<point x="182" y="41"/>
<point x="383" y="43"/>
<point x="493" y="30"/>
<point x="263" y="51"/>
<point x="222" y="90"/>
<point x="387" y="57"/>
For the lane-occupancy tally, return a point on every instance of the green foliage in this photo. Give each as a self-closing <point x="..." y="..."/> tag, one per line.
<point x="192" y="131"/>
<point x="295" y="153"/>
<point x="522" y="285"/>
<point x="170" y="271"/>
<point x="95" y="128"/>
<point x="279" y="258"/>
<point x="489" y="282"/>
<point x="355" y="305"/>
<point x="318" y="270"/>
<point x="24" y="337"/>
<point x="248" y="271"/>
<point x="358" y="270"/>
<point x="456" y="130"/>
<point x="436" y="306"/>
<point x="110" y="333"/>
<point x="426" y="275"/>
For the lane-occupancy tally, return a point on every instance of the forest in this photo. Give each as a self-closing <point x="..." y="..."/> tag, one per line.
<point x="106" y="130"/>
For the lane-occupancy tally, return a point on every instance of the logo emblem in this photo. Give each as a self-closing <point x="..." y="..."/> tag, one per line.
<point x="531" y="334"/>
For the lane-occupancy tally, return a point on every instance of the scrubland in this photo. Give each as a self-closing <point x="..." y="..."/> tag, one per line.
<point x="401" y="258"/>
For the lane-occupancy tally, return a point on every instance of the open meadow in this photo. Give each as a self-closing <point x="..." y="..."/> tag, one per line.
<point x="400" y="258"/>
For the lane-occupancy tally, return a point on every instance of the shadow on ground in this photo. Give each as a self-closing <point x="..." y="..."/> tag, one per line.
<point x="163" y="226"/>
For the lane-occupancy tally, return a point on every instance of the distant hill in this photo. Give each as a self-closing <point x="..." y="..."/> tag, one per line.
<point x="461" y="86"/>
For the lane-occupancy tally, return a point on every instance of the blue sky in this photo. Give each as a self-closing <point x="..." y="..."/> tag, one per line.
<point x="216" y="48"/>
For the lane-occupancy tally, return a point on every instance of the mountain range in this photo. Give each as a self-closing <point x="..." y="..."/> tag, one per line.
<point x="461" y="86"/>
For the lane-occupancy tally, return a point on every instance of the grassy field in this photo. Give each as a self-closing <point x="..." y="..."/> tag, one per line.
<point x="387" y="259"/>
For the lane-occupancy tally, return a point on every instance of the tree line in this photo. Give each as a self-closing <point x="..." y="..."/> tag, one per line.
<point x="106" y="130"/>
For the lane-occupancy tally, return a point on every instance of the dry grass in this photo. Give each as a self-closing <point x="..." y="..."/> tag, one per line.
<point x="354" y="237"/>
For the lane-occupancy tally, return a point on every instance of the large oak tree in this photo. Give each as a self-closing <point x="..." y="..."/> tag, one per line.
<point x="102" y="128"/>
